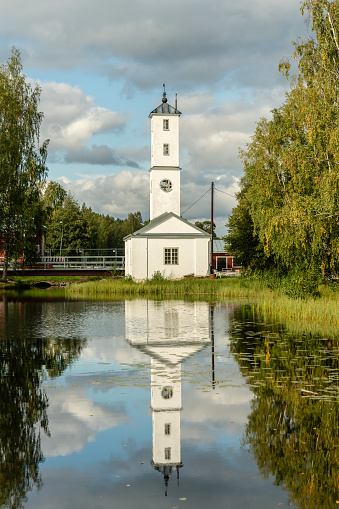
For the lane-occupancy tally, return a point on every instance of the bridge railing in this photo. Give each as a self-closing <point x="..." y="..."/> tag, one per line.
<point x="75" y="262"/>
<point x="83" y="262"/>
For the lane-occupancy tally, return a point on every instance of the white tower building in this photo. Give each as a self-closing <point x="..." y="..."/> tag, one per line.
<point x="168" y="244"/>
<point x="165" y="171"/>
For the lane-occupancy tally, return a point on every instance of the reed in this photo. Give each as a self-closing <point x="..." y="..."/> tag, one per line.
<point x="221" y="288"/>
<point x="298" y="313"/>
<point x="308" y="313"/>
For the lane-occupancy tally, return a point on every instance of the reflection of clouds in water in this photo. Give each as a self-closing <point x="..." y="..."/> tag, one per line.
<point x="74" y="420"/>
<point x="205" y="414"/>
<point x="114" y="350"/>
<point x="209" y="479"/>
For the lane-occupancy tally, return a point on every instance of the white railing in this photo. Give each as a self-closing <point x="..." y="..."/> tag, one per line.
<point x="74" y="262"/>
<point x="83" y="262"/>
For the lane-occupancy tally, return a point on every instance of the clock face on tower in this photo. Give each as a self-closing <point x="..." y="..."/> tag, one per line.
<point x="166" y="185"/>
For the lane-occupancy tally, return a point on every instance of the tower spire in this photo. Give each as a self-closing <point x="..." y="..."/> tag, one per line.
<point x="164" y="98"/>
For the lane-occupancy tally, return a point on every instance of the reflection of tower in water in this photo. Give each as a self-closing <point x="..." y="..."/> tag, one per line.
<point x="166" y="408"/>
<point x="169" y="332"/>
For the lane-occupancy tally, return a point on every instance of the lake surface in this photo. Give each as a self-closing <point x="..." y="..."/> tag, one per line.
<point x="163" y="404"/>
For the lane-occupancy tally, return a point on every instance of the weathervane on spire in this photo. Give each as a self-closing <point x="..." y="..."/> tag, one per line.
<point x="164" y="98"/>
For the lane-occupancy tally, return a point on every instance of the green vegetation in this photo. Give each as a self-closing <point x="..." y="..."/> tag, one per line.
<point x="206" y="226"/>
<point x="287" y="215"/>
<point x="71" y="228"/>
<point x="307" y="312"/>
<point x="22" y="162"/>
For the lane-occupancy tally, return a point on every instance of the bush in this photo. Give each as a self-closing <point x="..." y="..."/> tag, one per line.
<point x="157" y="276"/>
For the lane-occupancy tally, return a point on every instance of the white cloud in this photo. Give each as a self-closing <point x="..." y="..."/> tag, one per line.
<point x="72" y="119"/>
<point x="116" y="195"/>
<point x="192" y="41"/>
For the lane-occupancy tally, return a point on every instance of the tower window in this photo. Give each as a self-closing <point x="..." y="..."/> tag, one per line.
<point x="167" y="453"/>
<point x="171" y="255"/>
<point x="167" y="429"/>
<point x="166" y="149"/>
<point x="166" y="125"/>
<point x="167" y="392"/>
<point x="166" y="185"/>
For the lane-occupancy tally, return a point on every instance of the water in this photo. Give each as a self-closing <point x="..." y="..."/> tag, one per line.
<point x="163" y="404"/>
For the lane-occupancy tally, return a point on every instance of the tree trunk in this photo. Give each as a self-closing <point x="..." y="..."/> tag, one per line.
<point x="5" y="267"/>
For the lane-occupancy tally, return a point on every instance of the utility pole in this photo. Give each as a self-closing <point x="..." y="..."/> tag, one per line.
<point x="211" y="261"/>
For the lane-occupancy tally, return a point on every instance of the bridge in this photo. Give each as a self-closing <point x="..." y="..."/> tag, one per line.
<point x="69" y="265"/>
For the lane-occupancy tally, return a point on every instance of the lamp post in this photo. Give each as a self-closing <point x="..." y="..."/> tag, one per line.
<point x="62" y="232"/>
<point x="43" y="232"/>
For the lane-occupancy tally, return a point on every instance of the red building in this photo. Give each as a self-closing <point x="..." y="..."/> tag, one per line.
<point x="222" y="261"/>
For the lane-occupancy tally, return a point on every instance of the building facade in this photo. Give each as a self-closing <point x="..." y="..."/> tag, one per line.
<point x="168" y="244"/>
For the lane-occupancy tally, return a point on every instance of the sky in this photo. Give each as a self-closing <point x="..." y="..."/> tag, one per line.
<point x="101" y="67"/>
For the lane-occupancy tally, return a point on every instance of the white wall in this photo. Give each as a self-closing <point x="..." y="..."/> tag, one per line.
<point x="161" y="201"/>
<point x="147" y="257"/>
<point x="159" y="137"/>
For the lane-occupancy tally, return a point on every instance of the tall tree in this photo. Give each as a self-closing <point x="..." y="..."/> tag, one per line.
<point x="54" y="196"/>
<point x="292" y="164"/>
<point x="22" y="159"/>
<point x="68" y="231"/>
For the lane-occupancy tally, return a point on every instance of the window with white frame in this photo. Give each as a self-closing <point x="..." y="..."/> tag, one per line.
<point x="167" y="429"/>
<point x="166" y="124"/>
<point x="167" y="453"/>
<point x="171" y="255"/>
<point x="166" y="149"/>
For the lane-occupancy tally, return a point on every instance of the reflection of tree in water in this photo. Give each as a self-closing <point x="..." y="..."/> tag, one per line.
<point x="292" y="431"/>
<point x="23" y="403"/>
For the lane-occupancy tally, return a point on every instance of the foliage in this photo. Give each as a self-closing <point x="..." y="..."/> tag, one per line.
<point x="54" y="196"/>
<point x="241" y="240"/>
<point x="292" y="164"/>
<point x="22" y="160"/>
<point x="157" y="276"/>
<point x="67" y="229"/>
<point x="82" y="229"/>
<point x="206" y="226"/>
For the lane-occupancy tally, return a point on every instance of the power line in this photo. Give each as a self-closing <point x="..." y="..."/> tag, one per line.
<point x="228" y="194"/>
<point x="196" y="201"/>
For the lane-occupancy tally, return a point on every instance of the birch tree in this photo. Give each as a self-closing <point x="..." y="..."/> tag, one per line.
<point x="22" y="159"/>
<point x="292" y="164"/>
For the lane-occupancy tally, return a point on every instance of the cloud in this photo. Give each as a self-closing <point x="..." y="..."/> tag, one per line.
<point x="116" y="195"/>
<point x="72" y="119"/>
<point x="192" y="41"/>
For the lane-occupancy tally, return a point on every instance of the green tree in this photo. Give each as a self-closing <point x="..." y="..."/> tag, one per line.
<point x="132" y="223"/>
<point x="206" y="226"/>
<point x="68" y="231"/>
<point x="22" y="159"/>
<point x="292" y="164"/>
<point x="54" y="196"/>
<point x="241" y="239"/>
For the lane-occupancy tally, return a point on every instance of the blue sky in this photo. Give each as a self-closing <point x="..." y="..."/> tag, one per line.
<point x="101" y="66"/>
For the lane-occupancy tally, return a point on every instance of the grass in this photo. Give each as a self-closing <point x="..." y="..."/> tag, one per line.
<point x="303" y="314"/>
<point x="28" y="281"/>
<point x="309" y="313"/>
<point x="217" y="288"/>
